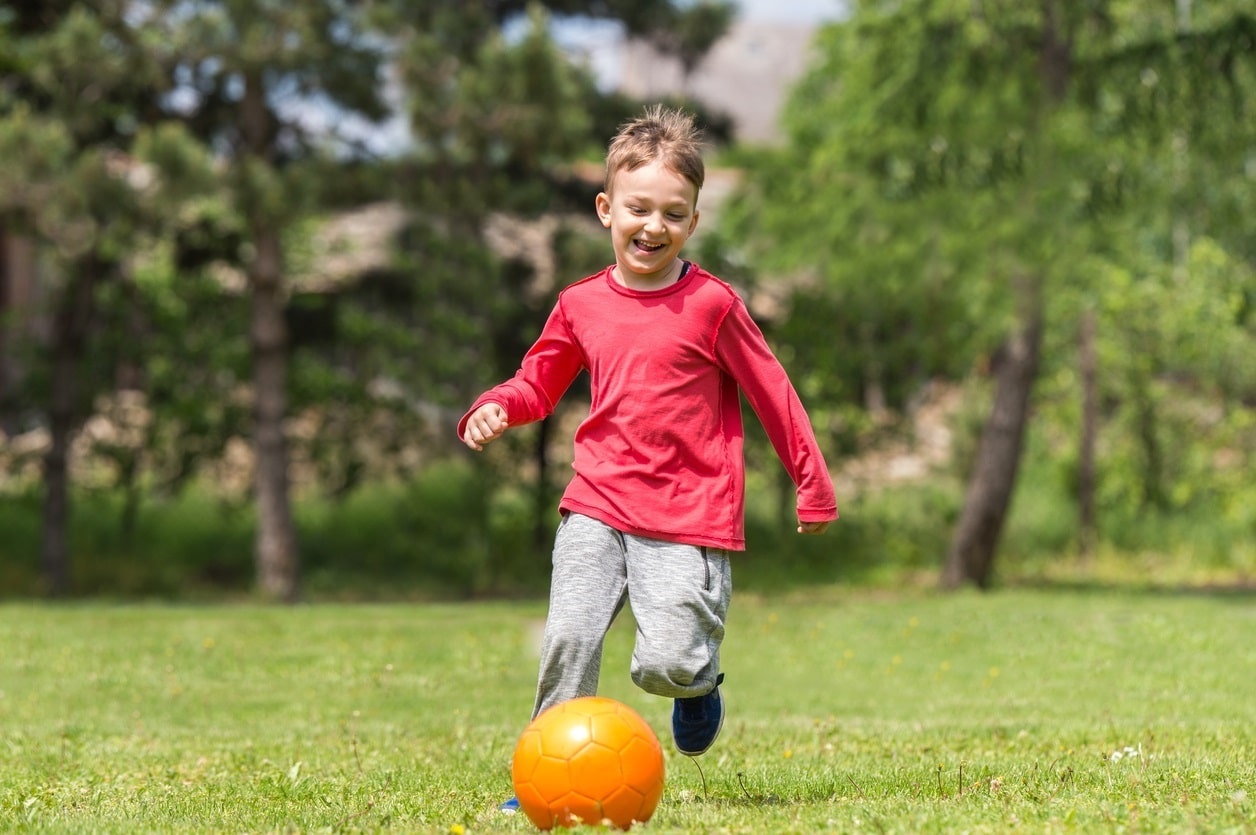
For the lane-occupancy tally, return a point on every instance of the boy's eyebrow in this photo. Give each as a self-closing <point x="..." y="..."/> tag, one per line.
<point x="642" y="198"/>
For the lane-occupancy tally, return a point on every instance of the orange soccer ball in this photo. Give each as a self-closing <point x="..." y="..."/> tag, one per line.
<point x="589" y="760"/>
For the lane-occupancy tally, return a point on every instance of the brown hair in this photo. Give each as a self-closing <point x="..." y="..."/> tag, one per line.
<point x="662" y="134"/>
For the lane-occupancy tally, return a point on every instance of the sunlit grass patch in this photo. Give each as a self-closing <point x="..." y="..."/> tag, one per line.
<point x="848" y="711"/>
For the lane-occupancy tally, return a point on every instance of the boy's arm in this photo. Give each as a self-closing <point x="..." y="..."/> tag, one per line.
<point x="545" y="374"/>
<point x="744" y="352"/>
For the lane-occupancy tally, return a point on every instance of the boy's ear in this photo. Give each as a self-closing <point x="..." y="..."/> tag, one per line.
<point x="693" y="221"/>
<point x="603" y="206"/>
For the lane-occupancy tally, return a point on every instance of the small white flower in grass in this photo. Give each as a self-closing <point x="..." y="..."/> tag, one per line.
<point x="1128" y="752"/>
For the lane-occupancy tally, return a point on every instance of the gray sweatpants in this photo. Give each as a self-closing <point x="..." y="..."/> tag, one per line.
<point x="679" y="597"/>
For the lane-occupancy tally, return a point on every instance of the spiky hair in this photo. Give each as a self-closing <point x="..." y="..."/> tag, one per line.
<point x="660" y="133"/>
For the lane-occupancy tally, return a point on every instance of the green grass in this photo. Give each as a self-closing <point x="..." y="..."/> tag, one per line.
<point x="1018" y="711"/>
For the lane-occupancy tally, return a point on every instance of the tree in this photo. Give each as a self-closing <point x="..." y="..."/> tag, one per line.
<point x="692" y="33"/>
<point x="491" y="120"/>
<point x="497" y="114"/>
<point x="256" y="83"/>
<point x="960" y="155"/>
<point x="250" y="74"/>
<point x="70" y="76"/>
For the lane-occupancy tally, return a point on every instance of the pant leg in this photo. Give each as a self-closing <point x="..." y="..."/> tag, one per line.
<point x="587" y="591"/>
<point x="679" y="596"/>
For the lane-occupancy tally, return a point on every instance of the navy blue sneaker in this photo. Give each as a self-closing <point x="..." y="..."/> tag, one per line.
<point x="696" y="721"/>
<point x="509" y="806"/>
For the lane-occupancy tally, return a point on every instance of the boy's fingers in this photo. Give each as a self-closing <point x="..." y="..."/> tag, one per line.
<point x="490" y="429"/>
<point x="474" y="435"/>
<point x="483" y="429"/>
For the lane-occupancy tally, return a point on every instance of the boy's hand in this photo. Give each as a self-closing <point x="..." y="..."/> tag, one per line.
<point x="486" y="424"/>
<point x="813" y="527"/>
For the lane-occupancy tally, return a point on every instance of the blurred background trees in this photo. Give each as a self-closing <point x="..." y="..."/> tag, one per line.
<point x="256" y="258"/>
<point x="962" y="181"/>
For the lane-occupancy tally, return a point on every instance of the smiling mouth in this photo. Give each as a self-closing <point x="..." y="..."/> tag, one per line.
<point x="647" y="247"/>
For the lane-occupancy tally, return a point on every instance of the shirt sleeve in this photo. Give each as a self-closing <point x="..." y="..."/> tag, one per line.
<point x="741" y="348"/>
<point x="547" y="371"/>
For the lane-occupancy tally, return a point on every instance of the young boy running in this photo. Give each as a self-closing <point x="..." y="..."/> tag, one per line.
<point x="657" y="499"/>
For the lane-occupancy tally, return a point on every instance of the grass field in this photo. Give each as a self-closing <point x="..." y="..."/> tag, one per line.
<point x="1017" y="711"/>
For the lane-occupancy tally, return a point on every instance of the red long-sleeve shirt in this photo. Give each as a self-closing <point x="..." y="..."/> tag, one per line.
<point x="660" y="453"/>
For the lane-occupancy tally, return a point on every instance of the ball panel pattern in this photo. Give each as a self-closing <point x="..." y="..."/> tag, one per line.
<point x="624" y="803"/>
<point x="588" y="760"/>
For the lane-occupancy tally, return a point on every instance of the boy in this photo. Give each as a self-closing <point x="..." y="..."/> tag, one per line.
<point x="656" y="502"/>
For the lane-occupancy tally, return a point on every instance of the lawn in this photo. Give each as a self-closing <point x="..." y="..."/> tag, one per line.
<point x="849" y="711"/>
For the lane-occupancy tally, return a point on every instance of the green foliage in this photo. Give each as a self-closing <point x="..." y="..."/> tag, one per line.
<point x="950" y="168"/>
<point x="19" y="519"/>
<point x="180" y="548"/>
<point x="1037" y="711"/>
<point x="494" y="118"/>
<point x="925" y="166"/>
<point x="884" y="537"/>
<point x="449" y="531"/>
<point x="436" y="535"/>
<point x="318" y="51"/>
<point x="1174" y="348"/>
<point x="156" y="144"/>
<point x="42" y="145"/>
<point x="443" y="534"/>
<point x="696" y="28"/>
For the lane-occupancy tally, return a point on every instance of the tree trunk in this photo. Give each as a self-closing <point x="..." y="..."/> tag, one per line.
<point x="275" y="551"/>
<point x="5" y="338"/>
<point x="69" y="336"/>
<point x="874" y="373"/>
<point x="130" y="378"/>
<point x="1155" y="495"/>
<point x="970" y="559"/>
<point x="17" y="290"/>
<point x="1086" y="525"/>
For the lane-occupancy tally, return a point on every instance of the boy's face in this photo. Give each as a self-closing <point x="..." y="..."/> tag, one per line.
<point x="651" y="211"/>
